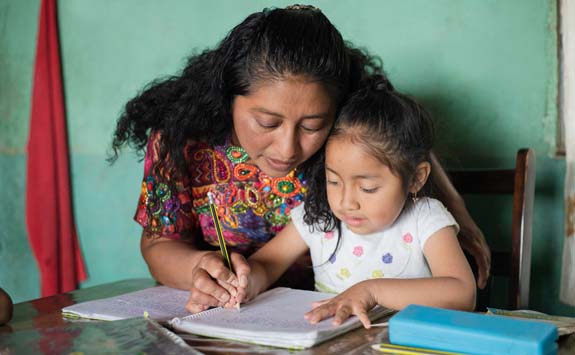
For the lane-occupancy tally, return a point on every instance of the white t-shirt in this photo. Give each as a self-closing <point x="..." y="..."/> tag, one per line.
<point x="396" y="252"/>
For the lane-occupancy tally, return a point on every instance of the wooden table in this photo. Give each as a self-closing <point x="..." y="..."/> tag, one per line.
<point x="34" y="320"/>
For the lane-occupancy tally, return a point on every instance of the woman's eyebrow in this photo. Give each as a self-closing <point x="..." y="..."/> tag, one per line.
<point x="266" y="112"/>
<point x="320" y="115"/>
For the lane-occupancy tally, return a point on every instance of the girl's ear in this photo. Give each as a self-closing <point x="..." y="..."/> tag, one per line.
<point x="421" y="175"/>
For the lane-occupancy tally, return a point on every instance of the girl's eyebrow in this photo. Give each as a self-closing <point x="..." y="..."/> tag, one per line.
<point x="320" y="115"/>
<point x="331" y="170"/>
<point x="355" y="177"/>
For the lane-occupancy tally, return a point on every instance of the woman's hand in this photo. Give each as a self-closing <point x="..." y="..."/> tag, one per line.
<point x="356" y="300"/>
<point x="214" y="285"/>
<point x="472" y="240"/>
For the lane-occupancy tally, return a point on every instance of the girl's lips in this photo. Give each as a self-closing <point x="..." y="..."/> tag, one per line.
<point x="353" y="221"/>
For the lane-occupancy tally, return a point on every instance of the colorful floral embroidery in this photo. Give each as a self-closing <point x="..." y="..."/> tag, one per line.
<point x="244" y="172"/>
<point x="376" y="274"/>
<point x="236" y="154"/>
<point x="387" y="258"/>
<point x="162" y="207"/>
<point x="358" y="251"/>
<point x="332" y="259"/>
<point x="328" y="235"/>
<point x="252" y="206"/>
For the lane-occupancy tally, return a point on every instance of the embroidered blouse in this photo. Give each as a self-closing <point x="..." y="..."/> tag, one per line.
<point x="251" y="205"/>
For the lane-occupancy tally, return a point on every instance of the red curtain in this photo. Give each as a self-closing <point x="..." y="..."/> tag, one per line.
<point x="49" y="215"/>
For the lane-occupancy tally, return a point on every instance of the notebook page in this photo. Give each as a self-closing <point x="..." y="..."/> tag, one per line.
<point x="274" y="318"/>
<point x="160" y="303"/>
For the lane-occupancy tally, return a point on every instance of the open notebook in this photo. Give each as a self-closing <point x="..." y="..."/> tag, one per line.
<point x="274" y="318"/>
<point x="160" y="303"/>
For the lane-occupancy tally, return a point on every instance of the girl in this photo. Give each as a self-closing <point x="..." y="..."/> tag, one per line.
<point x="372" y="235"/>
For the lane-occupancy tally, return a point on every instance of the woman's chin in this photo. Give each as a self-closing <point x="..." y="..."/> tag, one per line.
<point x="276" y="170"/>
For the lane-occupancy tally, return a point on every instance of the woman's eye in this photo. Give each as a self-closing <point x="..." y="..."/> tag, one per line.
<point x="369" y="190"/>
<point x="331" y="182"/>
<point x="311" y="129"/>
<point x="265" y="124"/>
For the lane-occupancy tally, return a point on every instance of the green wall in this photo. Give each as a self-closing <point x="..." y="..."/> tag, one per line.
<point x="486" y="69"/>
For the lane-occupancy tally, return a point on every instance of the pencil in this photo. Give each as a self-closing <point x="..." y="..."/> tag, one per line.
<point x="407" y="350"/>
<point x="220" y="235"/>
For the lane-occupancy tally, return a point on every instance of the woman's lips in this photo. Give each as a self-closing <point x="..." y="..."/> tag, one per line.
<point x="280" y="164"/>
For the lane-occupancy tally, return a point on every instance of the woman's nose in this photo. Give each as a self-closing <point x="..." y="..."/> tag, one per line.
<point x="287" y="143"/>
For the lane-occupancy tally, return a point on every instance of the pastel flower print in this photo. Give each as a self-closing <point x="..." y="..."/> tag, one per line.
<point x="332" y="259"/>
<point x="358" y="251"/>
<point x="376" y="274"/>
<point x="408" y="238"/>
<point x="328" y="235"/>
<point x="344" y="273"/>
<point x="387" y="258"/>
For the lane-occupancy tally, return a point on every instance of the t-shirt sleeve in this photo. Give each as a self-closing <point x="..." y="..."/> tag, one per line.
<point x="296" y="215"/>
<point x="165" y="205"/>
<point x="432" y="216"/>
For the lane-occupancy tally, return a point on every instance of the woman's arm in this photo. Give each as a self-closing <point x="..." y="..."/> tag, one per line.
<point x="452" y="286"/>
<point x="470" y="236"/>
<point x="178" y="264"/>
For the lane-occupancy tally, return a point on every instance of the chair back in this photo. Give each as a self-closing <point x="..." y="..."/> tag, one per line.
<point x="515" y="264"/>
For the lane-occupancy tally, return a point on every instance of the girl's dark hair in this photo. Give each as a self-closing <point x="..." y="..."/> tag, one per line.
<point x="392" y="126"/>
<point x="267" y="45"/>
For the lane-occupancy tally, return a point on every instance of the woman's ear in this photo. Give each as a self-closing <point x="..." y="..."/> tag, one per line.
<point x="421" y="175"/>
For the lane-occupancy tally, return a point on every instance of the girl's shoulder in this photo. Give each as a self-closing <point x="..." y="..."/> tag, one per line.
<point x="426" y="216"/>
<point x="428" y="203"/>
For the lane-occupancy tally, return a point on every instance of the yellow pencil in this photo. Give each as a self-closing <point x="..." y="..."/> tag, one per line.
<point x="220" y="235"/>
<point x="406" y="350"/>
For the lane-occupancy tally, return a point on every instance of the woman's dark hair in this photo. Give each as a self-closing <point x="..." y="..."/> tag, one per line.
<point x="267" y="45"/>
<point x="392" y="126"/>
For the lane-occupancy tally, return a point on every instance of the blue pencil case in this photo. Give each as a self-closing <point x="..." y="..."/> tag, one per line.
<point x="471" y="333"/>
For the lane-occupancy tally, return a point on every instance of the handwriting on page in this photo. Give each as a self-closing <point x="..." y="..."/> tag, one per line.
<point x="159" y="302"/>
<point x="268" y="312"/>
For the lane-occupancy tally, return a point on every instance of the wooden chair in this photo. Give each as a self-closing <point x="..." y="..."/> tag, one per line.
<point x="516" y="263"/>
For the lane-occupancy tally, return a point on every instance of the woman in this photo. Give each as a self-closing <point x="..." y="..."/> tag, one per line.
<point x="238" y="121"/>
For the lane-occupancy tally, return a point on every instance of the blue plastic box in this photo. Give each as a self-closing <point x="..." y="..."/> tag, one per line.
<point x="471" y="333"/>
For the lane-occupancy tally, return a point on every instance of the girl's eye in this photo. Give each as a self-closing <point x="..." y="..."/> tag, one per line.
<point x="370" y="191"/>
<point x="331" y="182"/>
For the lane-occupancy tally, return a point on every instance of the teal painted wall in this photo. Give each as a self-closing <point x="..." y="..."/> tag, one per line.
<point x="486" y="69"/>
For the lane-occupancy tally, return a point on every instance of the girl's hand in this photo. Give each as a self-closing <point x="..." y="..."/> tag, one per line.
<point x="356" y="300"/>
<point x="213" y="284"/>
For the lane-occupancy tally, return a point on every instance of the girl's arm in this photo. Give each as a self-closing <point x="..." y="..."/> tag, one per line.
<point x="178" y="264"/>
<point x="470" y="236"/>
<point x="273" y="259"/>
<point x="452" y="286"/>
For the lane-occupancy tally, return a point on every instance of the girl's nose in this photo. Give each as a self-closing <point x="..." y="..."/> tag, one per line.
<point x="348" y="199"/>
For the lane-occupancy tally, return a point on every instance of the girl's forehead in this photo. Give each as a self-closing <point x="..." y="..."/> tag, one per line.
<point x="350" y="143"/>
